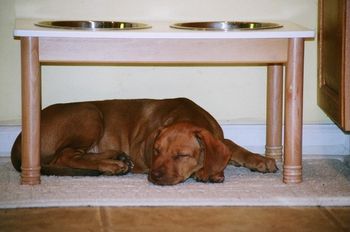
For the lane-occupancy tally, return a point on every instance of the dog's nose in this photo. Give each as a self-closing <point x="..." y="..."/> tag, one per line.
<point x="157" y="174"/>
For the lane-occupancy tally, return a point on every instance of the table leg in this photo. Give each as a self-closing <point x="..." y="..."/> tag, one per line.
<point x="292" y="167"/>
<point x="31" y="106"/>
<point x="274" y="112"/>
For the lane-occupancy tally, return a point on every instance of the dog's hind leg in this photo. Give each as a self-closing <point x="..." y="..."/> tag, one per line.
<point x="255" y="162"/>
<point x="107" y="163"/>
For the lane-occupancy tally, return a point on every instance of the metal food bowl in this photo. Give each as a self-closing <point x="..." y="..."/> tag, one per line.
<point x="93" y="25"/>
<point x="225" y="26"/>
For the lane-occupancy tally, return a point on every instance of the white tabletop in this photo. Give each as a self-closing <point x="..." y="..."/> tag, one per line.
<point x="161" y="29"/>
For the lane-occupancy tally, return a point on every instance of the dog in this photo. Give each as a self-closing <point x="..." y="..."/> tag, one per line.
<point x="171" y="140"/>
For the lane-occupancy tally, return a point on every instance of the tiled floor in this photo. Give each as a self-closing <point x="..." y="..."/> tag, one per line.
<point x="107" y="219"/>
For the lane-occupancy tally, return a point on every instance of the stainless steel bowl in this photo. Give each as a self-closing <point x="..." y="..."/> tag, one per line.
<point x="93" y="25"/>
<point x="225" y="25"/>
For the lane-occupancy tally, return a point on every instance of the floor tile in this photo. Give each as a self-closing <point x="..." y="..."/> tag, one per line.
<point x="50" y="219"/>
<point x="108" y="219"/>
<point x="219" y="219"/>
<point x="342" y="216"/>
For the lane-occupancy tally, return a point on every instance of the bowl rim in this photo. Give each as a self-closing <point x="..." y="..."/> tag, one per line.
<point x="50" y="24"/>
<point x="186" y="25"/>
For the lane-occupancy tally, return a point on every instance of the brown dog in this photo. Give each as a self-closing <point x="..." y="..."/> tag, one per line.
<point x="170" y="139"/>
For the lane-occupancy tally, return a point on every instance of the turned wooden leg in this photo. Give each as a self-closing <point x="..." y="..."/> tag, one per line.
<point x="292" y="167"/>
<point x="31" y="105"/>
<point x="274" y="112"/>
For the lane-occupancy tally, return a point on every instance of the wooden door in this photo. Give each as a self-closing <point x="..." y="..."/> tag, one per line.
<point x="334" y="60"/>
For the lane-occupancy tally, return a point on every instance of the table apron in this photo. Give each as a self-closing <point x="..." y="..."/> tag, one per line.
<point x="169" y="51"/>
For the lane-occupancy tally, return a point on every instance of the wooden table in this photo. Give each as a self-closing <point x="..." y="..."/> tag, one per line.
<point x="162" y="45"/>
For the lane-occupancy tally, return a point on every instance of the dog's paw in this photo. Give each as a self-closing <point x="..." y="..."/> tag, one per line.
<point x="217" y="178"/>
<point x="202" y="176"/>
<point x="265" y="165"/>
<point x="271" y="165"/>
<point x="126" y="159"/>
<point x="113" y="167"/>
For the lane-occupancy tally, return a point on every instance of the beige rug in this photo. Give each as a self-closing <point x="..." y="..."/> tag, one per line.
<point x="326" y="183"/>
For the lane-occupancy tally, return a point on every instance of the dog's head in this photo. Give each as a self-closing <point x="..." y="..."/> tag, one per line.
<point x="182" y="150"/>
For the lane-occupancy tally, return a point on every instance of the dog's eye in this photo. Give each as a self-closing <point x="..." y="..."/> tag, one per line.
<point x="180" y="156"/>
<point x="156" y="152"/>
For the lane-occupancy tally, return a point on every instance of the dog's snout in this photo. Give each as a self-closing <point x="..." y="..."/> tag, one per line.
<point x="157" y="174"/>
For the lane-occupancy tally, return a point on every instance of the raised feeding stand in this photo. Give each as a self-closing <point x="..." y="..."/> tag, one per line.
<point x="162" y="44"/>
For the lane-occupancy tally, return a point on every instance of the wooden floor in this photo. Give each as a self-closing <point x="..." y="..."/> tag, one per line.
<point x="194" y="219"/>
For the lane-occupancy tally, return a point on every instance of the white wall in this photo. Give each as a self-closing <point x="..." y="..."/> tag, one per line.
<point x="9" y="64"/>
<point x="235" y="94"/>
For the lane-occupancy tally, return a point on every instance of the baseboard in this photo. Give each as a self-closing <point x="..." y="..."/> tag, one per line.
<point x="8" y="134"/>
<point x="318" y="139"/>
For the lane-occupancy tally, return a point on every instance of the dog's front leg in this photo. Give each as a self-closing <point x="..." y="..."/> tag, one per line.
<point x="255" y="162"/>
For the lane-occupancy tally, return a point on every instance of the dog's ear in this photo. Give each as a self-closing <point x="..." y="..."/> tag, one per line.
<point x="149" y="143"/>
<point x="215" y="157"/>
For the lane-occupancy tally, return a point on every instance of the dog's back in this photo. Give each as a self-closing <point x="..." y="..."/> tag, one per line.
<point x="16" y="153"/>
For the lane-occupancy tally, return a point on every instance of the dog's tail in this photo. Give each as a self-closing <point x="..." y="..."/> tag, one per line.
<point x="54" y="170"/>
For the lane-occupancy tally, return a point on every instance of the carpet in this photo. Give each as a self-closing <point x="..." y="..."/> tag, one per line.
<point x="326" y="182"/>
